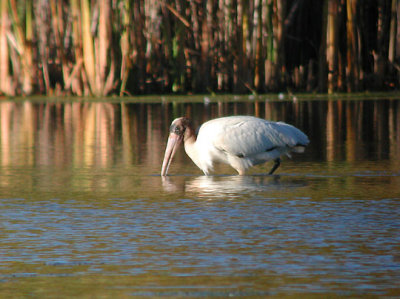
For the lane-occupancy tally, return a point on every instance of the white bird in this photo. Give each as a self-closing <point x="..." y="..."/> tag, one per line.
<point x="240" y="141"/>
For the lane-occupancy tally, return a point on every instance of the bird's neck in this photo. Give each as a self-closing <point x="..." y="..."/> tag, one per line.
<point x="189" y="136"/>
<point x="189" y="141"/>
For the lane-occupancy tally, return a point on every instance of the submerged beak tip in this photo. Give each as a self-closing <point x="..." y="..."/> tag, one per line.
<point x="172" y="144"/>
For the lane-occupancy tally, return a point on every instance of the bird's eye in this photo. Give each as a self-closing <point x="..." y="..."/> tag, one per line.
<point x="177" y="130"/>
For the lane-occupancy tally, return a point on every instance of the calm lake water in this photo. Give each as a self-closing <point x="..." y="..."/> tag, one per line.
<point x="84" y="211"/>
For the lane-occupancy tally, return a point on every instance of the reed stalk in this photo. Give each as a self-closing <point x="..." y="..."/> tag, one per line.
<point x="21" y="40"/>
<point x="322" y="63"/>
<point x="392" y="34"/>
<point x="58" y="30"/>
<point x="6" y="85"/>
<point x="78" y="79"/>
<point x="271" y="80"/>
<point x="88" y="48"/>
<point x="103" y="44"/>
<point x="353" y="73"/>
<point x="332" y="44"/>
<point x="381" y="53"/>
<point x="125" y="45"/>
<point x="259" y="53"/>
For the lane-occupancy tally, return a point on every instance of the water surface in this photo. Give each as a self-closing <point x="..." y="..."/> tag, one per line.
<point x="85" y="213"/>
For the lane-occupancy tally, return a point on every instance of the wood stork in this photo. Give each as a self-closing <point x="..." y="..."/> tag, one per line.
<point x="240" y="141"/>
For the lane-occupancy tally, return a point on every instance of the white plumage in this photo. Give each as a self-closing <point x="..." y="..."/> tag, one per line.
<point x="240" y="141"/>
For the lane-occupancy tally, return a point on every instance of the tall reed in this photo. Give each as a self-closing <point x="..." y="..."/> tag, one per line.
<point x="101" y="47"/>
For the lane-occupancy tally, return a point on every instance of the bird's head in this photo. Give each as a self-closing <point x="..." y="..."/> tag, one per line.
<point x="179" y="130"/>
<point x="179" y="126"/>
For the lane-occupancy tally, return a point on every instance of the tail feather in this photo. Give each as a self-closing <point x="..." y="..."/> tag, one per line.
<point x="299" y="149"/>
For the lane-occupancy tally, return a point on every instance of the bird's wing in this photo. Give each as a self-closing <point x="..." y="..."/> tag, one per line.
<point x="246" y="136"/>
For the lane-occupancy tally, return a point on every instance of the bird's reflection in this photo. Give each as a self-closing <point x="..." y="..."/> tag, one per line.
<point x="229" y="186"/>
<point x="173" y="183"/>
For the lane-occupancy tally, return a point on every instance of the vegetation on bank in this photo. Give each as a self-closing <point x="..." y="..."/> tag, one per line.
<point x="102" y="47"/>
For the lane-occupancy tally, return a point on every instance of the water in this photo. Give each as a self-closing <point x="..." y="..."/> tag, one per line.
<point x="84" y="212"/>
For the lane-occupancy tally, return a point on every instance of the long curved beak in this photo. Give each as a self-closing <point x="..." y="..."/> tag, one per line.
<point x="174" y="141"/>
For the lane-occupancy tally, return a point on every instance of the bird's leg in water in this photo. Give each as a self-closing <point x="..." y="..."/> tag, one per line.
<point x="276" y="165"/>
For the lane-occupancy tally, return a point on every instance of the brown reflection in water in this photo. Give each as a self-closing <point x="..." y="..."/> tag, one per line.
<point x="350" y="133"/>
<point x="394" y="130"/>
<point x="79" y="134"/>
<point x="330" y="132"/>
<point x="101" y="135"/>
